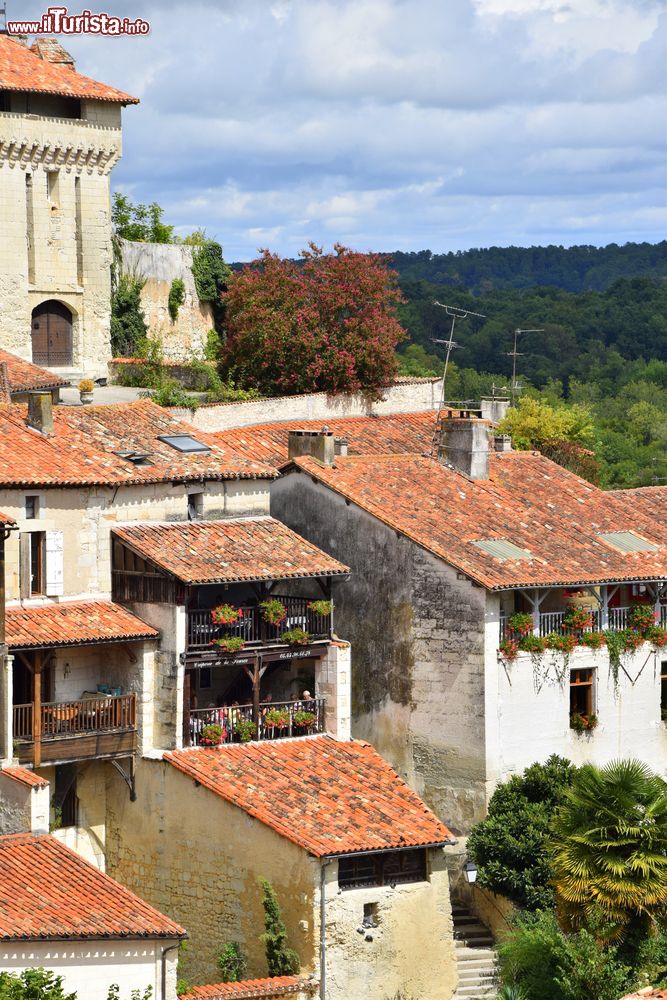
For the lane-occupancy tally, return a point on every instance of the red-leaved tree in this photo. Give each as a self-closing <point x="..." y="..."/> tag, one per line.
<point x="327" y="324"/>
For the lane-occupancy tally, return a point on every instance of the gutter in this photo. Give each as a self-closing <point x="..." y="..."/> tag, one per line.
<point x="163" y="962"/>
<point x="450" y="842"/>
<point x="323" y="930"/>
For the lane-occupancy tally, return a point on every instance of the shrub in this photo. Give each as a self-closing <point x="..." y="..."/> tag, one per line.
<point x="176" y="298"/>
<point x="33" y="984"/>
<point x="509" y="847"/>
<point x="232" y="963"/>
<point x="295" y="637"/>
<point x="128" y="323"/>
<point x="169" y="393"/>
<point x="86" y="385"/>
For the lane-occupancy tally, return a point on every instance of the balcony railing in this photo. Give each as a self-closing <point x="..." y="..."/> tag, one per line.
<point x="232" y="720"/>
<point x="552" y="621"/>
<point x="252" y="627"/>
<point x="92" y="727"/>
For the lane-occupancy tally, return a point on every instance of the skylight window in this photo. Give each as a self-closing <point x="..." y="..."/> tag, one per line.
<point x="627" y="541"/>
<point x="501" y="549"/>
<point x="183" y="442"/>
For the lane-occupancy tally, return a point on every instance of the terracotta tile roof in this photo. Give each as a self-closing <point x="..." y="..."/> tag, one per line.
<point x="22" y="69"/>
<point x="249" y="989"/>
<point x="647" y="994"/>
<point x="328" y="797"/>
<point x="82" y="451"/>
<point x="528" y="500"/>
<point x="47" y="892"/>
<point x="6" y="519"/>
<point x="650" y="501"/>
<point x="253" y="548"/>
<point x="75" y="623"/>
<point x="23" y="375"/>
<point x="394" y="435"/>
<point x="24" y="777"/>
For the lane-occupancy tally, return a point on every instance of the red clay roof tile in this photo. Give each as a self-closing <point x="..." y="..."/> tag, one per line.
<point x="527" y="500"/>
<point x="24" y="777"/>
<point x="251" y="989"/>
<point x="393" y="435"/>
<point x="23" y="375"/>
<point x="83" y="449"/>
<point x="253" y="548"/>
<point x="24" y="70"/>
<point x="48" y="892"/>
<point x="74" y="623"/>
<point x="328" y="797"/>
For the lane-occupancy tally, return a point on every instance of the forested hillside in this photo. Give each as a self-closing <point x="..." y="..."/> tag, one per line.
<point x="574" y="269"/>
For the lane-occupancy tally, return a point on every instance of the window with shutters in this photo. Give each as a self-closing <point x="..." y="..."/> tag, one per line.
<point x="54" y="564"/>
<point x="384" y="868"/>
<point x="37" y="542"/>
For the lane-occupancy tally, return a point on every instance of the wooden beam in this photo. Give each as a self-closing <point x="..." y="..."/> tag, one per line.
<point x="37" y="711"/>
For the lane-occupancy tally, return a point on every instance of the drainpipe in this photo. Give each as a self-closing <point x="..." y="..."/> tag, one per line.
<point x="163" y="960"/>
<point x="323" y="930"/>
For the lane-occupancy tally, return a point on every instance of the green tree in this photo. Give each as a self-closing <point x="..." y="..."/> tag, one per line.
<point x="139" y="223"/>
<point x="546" y="964"/>
<point x="128" y="323"/>
<point x="609" y="849"/>
<point x="281" y="959"/>
<point x="533" y="423"/>
<point x="509" y="847"/>
<point x="33" y="984"/>
<point x="232" y="963"/>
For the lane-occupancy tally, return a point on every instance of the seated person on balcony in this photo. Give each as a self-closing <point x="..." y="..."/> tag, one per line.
<point x="307" y="702"/>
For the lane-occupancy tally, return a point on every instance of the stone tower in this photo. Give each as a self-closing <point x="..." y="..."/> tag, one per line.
<point x="60" y="137"/>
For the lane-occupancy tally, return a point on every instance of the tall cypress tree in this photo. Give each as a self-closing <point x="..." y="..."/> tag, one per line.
<point x="281" y="960"/>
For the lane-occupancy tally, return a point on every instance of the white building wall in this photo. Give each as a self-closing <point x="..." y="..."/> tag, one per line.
<point x="528" y="710"/>
<point x="89" y="969"/>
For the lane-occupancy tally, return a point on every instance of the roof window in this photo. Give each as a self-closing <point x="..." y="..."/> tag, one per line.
<point x="627" y="541"/>
<point x="183" y="442"/>
<point x="501" y="549"/>
<point x="136" y="457"/>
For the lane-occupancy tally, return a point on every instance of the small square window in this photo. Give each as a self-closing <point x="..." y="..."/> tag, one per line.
<point x="195" y="506"/>
<point x="205" y="678"/>
<point x="581" y="693"/>
<point x="31" y="507"/>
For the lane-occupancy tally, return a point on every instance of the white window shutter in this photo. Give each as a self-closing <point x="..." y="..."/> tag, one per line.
<point x="55" y="577"/>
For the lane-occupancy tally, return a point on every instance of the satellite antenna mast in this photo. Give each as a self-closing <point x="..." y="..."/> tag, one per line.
<point x="514" y="354"/>
<point x="454" y="312"/>
<point x="3" y="19"/>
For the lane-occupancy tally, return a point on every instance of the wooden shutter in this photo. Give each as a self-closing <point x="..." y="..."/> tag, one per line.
<point x="55" y="577"/>
<point x="24" y="564"/>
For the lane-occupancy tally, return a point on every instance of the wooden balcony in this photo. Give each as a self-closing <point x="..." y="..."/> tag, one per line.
<point x="76" y="730"/>
<point x="232" y="719"/>
<point x="255" y="632"/>
<point x="552" y="621"/>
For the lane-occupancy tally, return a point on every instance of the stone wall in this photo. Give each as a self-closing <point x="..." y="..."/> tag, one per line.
<point x="159" y="264"/>
<point x="417" y="640"/>
<point x="38" y="253"/>
<point x="405" y="396"/>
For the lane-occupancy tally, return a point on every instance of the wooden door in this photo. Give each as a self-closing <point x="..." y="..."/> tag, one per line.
<point x="52" y="335"/>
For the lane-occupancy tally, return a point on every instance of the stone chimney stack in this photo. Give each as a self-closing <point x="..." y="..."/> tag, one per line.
<point x="464" y="444"/>
<point x="494" y="409"/>
<point x="502" y="442"/>
<point x="318" y="444"/>
<point x="40" y="412"/>
<point x="5" y="390"/>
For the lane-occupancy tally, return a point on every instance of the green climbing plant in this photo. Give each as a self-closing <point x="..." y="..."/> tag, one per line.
<point x="176" y="298"/>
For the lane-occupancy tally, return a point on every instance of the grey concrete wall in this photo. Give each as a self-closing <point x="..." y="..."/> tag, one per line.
<point x="159" y="264"/>
<point x="417" y="635"/>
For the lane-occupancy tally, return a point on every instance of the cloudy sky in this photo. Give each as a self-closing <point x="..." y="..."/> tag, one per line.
<point x="392" y="124"/>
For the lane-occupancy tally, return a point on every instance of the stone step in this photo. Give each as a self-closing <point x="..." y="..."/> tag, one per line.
<point x="465" y="955"/>
<point x="482" y="990"/>
<point x="476" y="976"/>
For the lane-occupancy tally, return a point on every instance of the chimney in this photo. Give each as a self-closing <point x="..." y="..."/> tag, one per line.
<point x="340" y="446"/>
<point x="502" y="442"/>
<point x="464" y="444"/>
<point x="494" y="409"/>
<point x="40" y="412"/>
<point x="50" y="50"/>
<point x="5" y="390"/>
<point x="319" y="444"/>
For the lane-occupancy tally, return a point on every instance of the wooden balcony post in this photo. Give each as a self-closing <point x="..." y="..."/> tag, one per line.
<point x="37" y="711"/>
<point x="256" y="677"/>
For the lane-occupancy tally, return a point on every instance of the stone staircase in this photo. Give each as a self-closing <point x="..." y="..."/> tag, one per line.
<point x="475" y="957"/>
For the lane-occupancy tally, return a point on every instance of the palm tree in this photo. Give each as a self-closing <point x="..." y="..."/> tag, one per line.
<point x="609" y="849"/>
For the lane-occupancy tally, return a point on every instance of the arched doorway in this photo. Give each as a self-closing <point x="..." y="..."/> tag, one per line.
<point x="52" y="335"/>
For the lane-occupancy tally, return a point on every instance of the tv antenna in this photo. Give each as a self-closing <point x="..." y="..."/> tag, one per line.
<point x="3" y="19"/>
<point x="454" y="312"/>
<point x="514" y="354"/>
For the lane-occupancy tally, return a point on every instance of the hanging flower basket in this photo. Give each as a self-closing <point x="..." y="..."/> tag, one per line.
<point x="211" y="735"/>
<point x="561" y="643"/>
<point x="657" y="636"/>
<point x="277" y="717"/>
<point x="232" y="644"/>
<point x="534" y="644"/>
<point x="295" y="637"/>
<point x="273" y="611"/>
<point x="245" y="729"/>
<point x="577" y="618"/>
<point x="641" y="617"/>
<point x="594" y="640"/>
<point x="520" y="623"/>
<point x="321" y="608"/>
<point x="226" y="614"/>
<point x="509" y="648"/>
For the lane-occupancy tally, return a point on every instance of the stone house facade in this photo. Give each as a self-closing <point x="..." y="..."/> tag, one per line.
<point x="427" y="604"/>
<point x="60" y="137"/>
